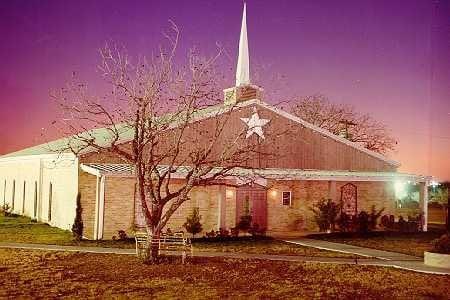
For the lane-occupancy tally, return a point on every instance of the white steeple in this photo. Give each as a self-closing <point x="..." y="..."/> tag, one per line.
<point x="243" y="90"/>
<point x="243" y="68"/>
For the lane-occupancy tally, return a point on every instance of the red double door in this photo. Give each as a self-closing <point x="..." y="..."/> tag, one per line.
<point x="252" y="200"/>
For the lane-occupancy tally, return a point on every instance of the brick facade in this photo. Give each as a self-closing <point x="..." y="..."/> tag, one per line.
<point x="287" y="220"/>
<point x="119" y="206"/>
<point x="87" y="187"/>
<point x="213" y="201"/>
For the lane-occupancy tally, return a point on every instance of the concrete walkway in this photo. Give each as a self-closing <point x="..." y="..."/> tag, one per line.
<point x="346" y="248"/>
<point x="384" y="258"/>
<point x="412" y="265"/>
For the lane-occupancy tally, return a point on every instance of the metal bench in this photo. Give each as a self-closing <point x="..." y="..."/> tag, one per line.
<point x="166" y="242"/>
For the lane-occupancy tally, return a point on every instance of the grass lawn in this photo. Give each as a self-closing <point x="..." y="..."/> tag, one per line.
<point x="22" y="230"/>
<point x="267" y="246"/>
<point x="414" y="243"/>
<point x="40" y="274"/>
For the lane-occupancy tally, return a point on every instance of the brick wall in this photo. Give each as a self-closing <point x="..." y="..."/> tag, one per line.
<point x="87" y="185"/>
<point x="207" y="200"/>
<point x="119" y="206"/>
<point x="299" y="217"/>
<point x="282" y="219"/>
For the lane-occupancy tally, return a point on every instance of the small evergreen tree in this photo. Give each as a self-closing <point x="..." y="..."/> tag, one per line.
<point x="77" y="227"/>
<point x="192" y="223"/>
<point x="325" y="214"/>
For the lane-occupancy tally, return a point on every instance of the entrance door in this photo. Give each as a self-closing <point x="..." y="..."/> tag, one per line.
<point x="252" y="200"/>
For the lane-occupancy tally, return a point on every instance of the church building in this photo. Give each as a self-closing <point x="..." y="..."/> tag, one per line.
<point x="314" y="164"/>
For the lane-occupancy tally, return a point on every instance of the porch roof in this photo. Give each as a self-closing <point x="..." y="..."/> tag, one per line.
<point x="126" y="170"/>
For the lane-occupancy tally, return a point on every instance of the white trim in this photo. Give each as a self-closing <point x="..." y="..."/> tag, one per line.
<point x="290" y="198"/>
<point x="101" y="215"/>
<point x="327" y="133"/>
<point x="97" y="200"/>
<point x="90" y="170"/>
<point x="260" y="176"/>
<point x="58" y="156"/>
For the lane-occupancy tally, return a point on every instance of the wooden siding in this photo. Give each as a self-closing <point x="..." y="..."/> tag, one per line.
<point x="292" y="145"/>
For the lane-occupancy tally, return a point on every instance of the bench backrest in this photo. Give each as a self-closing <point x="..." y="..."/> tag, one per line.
<point x="175" y="238"/>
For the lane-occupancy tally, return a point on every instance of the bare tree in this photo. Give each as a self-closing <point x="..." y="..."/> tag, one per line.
<point x="344" y="120"/>
<point x="149" y="120"/>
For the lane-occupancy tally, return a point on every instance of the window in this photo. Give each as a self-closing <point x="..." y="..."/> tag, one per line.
<point x="4" y="194"/>
<point x="13" y="194"/>
<point x="23" y="197"/>
<point x="35" y="200"/>
<point x="50" y="196"/>
<point x="286" y="198"/>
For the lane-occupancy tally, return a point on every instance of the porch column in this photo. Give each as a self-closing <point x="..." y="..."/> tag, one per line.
<point x="221" y="208"/>
<point x="423" y="204"/>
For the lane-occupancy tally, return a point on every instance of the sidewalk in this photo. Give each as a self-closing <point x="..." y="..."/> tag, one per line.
<point x="346" y="248"/>
<point x="383" y="258"/>
<point x="412" y="265"/>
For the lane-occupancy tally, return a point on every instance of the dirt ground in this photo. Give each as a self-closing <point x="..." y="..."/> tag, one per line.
<point x="41" y="274"/>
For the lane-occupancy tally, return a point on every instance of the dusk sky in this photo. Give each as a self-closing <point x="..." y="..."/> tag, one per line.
<point x="390" y="59"/>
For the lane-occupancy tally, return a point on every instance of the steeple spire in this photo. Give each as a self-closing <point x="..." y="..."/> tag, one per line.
<point x="243" y="68"/>
<point x="243" y="90"/>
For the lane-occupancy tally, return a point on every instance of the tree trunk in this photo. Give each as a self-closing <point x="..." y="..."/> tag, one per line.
<point x="152" y="247"/>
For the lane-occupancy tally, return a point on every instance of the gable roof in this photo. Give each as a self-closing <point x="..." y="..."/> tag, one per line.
<point x="102" y="134"/>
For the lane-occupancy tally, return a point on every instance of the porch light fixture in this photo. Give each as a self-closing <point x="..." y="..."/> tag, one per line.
<point x="229" y="193"/>
<point x="274" y="193"/>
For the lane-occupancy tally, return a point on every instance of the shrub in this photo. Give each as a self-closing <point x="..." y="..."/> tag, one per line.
<point x="363" y="222"/>
<point x="192" y="224"/>
<point x="402" y="224"/>
<point x="234" y="232"/>
<point x="325" y="214"/>
<point x="6" y="210"/>
<point x="77" y="227"/>
<point x="345" y="222"/>
<point x="122" y="235"/>
<point x="223" y="233"/>
<point x="256" y="230"/>
<point x="442" y="244"/>
<point x="373" y="217"/>
<point x="245" y="223"/>
<point x="388" y="221"/>
<point x="211" y="234"/>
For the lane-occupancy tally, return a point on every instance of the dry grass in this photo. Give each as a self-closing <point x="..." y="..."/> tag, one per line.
<point x="408" y="243"/>
<point x="268" y="246"/>
<point x="37" y="274"/>
<point x="22" y="230"/>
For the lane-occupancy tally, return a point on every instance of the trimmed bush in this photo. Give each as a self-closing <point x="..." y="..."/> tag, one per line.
<point x="442" y="244"/>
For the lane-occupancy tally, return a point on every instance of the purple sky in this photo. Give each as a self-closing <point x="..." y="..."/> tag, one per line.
<point x="388" y="58"/>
